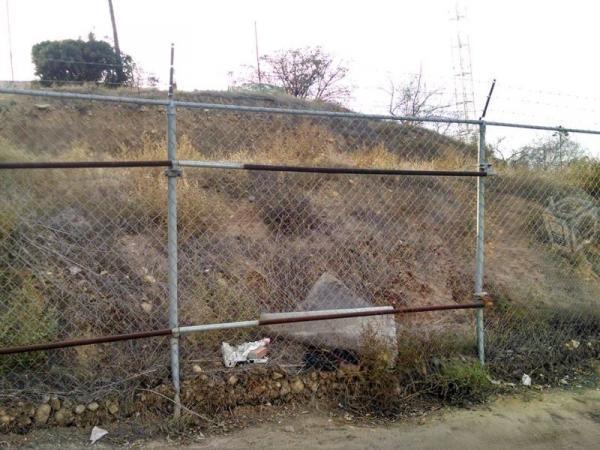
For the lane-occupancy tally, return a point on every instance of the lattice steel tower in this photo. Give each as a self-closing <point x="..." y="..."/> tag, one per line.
<point x="464" y="96"/>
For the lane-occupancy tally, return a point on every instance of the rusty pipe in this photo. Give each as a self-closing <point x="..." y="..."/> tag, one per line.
<point x="231" y="325"/>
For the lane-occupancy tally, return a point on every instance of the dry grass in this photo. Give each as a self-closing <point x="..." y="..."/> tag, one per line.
<point x="251" y="242"/>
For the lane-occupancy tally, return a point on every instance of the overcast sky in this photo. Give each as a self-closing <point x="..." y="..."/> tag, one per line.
<point x="543" y="53"/>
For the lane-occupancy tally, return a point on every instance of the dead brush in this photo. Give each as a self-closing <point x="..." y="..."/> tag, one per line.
<point x="426" y="370"/>
<point x="545" y="343"/>
<point x="288" y="212"/>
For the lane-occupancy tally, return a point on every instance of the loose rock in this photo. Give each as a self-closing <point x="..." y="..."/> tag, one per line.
<point x="42" y="414"/>
<point x="55" y="403"/>
<point x="285" y="388"/>
<point x="5" y="420"/>
<point x="79" y="409"/>
<point x="93" y="406"/>
<point x="112" y="407"/>
<point x="232" y="380"/>
<point x="297" y="386"/>
<point x="63" y="417"/>
<point x="74" y="270"/>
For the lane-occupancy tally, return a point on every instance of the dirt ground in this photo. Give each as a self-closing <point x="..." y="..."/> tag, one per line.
<point x="554" y="420"/>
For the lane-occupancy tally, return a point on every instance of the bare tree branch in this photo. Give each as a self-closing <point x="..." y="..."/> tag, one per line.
<point x="412" y="99"/>
<point x="308" y="73"/>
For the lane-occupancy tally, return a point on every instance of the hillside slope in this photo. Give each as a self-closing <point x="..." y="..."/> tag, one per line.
<point x="84" y="251"/>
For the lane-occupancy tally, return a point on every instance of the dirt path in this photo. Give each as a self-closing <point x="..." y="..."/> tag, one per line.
<point x="556" y="420"/>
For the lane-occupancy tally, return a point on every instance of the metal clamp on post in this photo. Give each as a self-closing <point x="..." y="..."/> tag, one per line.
<point x="487" y="169"/>
<point x="173" y="171"/>
<point x="484" y="298"/>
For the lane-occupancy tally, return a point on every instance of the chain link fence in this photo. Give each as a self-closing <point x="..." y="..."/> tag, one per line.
<point x="542" y="262"/>
<point x="83" y="251"/>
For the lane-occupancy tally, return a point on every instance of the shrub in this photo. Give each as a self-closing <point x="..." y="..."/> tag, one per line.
<point x="427" y="369"/>
<point x="25" y="319"/>
<point x="586" y="175"/>
<point x="292" y="216"/>
<point x="461" y="381"/>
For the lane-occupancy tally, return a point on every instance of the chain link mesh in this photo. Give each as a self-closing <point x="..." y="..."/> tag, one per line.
<point x="82" y="255"/>
<point x="83" y="252"/>
<point x="542" y="259"/>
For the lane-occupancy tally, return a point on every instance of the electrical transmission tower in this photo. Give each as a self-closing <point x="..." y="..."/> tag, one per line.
<point x="464" y="96"/>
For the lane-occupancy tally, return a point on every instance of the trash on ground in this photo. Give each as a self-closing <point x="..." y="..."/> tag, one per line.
<point x="526" y="380"/>
<point x="97" y="434"/>
<point x="572" y="344"/>
<point x="252" y="352"/>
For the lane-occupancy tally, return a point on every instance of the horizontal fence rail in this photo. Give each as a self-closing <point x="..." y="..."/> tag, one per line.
<point x="303" y="317"/>
<point x="330" y="170"/>
<point x="82" y="164"/>
<point x="233" y="108"/>
<point x="288" y="111"/>
<point x="239" y="166"/>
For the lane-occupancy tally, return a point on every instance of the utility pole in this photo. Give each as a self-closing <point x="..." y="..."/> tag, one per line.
<point x="257" y="55"/>
<point x="116" y="43"/>
<point x="12" y="71"/>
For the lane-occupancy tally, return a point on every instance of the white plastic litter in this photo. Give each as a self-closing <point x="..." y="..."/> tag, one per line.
<point x="97" y="433"/>
<point x="526" y="380"/>
<point x="247" y="352"/>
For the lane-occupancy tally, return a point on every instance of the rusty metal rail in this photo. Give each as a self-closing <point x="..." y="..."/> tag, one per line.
<point x="239" y="166"/>
<point x="83" y="164"/>
<point x="230" y="325"/>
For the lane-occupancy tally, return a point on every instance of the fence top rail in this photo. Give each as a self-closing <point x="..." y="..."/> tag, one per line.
<point x="233" y="108"/>
<point x="493" y="123"/>
<point x="286" y="111"/>
<point x="80" y="96"/>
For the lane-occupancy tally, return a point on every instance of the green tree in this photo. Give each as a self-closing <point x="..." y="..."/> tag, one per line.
<point x="76" y="60"/>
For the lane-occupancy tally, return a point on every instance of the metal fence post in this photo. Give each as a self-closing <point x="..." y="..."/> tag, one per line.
<point x="172" y="175"/>
<point x="479" y="252"/>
